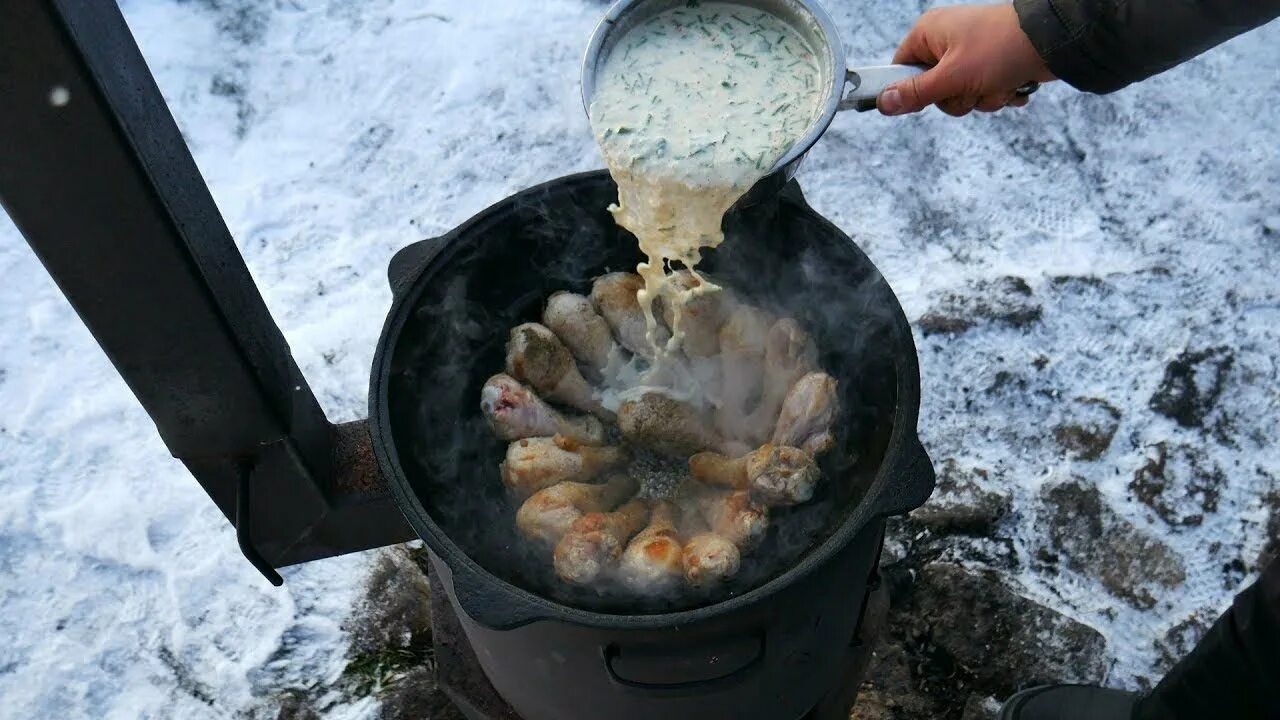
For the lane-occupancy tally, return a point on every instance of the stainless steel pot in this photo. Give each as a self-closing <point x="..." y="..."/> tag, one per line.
<point x="847" y="88"/>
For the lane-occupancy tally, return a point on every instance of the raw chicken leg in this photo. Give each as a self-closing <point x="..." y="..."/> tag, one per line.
<point x="514" y="412"/>
<point x="651" y="563"/>
<point x="536" y="356"/>
<point x="547" y="514"/>
<point x="664" y="424"/>
<point x="709" y="559"/>
<point x="808" y="413"/>
<point x="533" y="464"/>
<point x="789" y="354"/>
<point x="595" y="541"/>
<point x="615" y="297"/>
<point x="574" y="319"/>
<point x="774" y="475"/>
<point x="742" y="350"/>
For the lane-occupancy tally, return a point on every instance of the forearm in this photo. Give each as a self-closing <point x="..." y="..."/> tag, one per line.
<point x="1103" y="45"/>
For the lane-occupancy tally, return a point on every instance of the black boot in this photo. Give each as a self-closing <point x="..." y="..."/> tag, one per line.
<point x="1070" y="702"/>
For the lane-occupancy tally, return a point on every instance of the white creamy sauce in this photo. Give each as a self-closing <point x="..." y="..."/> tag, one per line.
<point x="693" y="106"/>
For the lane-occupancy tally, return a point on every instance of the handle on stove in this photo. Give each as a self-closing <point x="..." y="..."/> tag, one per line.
<point x="907" y="483"/>
<point x="667" y="668"/>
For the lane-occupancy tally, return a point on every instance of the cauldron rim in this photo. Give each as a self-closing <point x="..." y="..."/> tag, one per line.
<point x="904" y="459"/>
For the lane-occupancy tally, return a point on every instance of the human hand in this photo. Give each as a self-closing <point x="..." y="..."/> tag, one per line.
<point x="978" y="56"/>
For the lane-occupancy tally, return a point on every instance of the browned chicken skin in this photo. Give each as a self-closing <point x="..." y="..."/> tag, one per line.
<point x="665" y="424"/>
<point x="573" y="318"/>
<point x="735" y="517"/>
<point x="533" y="464"/>
<point x="652" y="563"/>
<point x="515" y="412"/>
<point x="774" y="475"/>
<point x="709" y="559"/>
<point x="537" y="357"/>
<point x="547" y="515"/>
<point x="808" y="414"/>
<point x="595" y="542"/>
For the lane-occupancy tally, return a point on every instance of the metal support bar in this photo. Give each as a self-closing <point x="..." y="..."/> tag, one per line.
<point x="96" y="175"/>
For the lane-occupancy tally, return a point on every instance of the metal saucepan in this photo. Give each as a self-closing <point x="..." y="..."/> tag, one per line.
<point x="847" y="87"/>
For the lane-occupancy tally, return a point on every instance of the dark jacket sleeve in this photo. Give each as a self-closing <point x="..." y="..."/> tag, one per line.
<point x="1101" y="46"/>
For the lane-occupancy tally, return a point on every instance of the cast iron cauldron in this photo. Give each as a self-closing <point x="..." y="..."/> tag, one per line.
<point x="167" y="295"/>
<point x="773" y="647"/>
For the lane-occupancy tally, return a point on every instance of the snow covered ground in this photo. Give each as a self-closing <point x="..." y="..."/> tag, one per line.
<point x="332" y="133"/>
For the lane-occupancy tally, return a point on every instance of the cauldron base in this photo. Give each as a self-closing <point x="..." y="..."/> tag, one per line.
<point x="459" y="675"/>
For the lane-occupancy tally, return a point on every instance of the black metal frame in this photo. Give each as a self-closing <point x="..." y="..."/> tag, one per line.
<point x="97" y="177"/>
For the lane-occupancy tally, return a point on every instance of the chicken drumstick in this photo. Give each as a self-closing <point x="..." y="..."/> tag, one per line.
<point x="615" y="297"/>
<point x="808" y="413"/>
<point x="652" y="563"/>
<point x="595" y="541"/>
<point x="575" y="321"/>
<point x="514" y="412"/>
<point x="774" y="475"/>
<point x="536" y="356"/>
<point x="547" y="515"/>
<point x="533" y="464"/>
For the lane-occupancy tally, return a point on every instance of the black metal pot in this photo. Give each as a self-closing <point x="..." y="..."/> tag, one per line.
<point x="774" y="646"/>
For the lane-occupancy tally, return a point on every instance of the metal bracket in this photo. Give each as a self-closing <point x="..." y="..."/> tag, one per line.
<point x="244" y="525"/>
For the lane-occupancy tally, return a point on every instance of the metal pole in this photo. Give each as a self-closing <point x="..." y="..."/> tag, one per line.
<point x="97" y="177"/>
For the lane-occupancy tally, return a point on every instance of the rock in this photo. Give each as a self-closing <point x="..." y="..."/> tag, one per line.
<point x="1088" y="429"/>
<point x="1192" y="384"/>
<point x="1002" y="639"/>
<point x="1271" y="549"/>
<point x="1094" y="541"/>
<point x="1181" y="638"/>
<point x="418" y="697"/>
<point x="1005" y="300"/>
<point x="394" y="608"/>
<point x="979" y="707"/>
<point x="1178" y="484"/>
<point x="960" y="505"/>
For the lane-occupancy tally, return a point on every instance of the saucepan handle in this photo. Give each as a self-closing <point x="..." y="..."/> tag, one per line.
<point x="868" y="82"/>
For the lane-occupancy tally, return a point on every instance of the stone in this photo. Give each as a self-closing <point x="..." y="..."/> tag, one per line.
<point x="960" y="505"/>
<point x="1181" y="638"/>
<point x="1192" y="384"/>
<point x="1002" y="639"/>
<point x="1271" y="546"/>
<point x="1094" y="541"/>
<point x="1179" y="484"/>
<point x="980" y="707"/>
<point x="1006" y="301"/>
<point x="1088" y="428"/>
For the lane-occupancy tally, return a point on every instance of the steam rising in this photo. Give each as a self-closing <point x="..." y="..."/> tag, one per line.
<point x="499" y="272"/>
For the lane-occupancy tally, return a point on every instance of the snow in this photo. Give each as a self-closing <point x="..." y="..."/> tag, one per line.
<point x="332" y="134"/>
